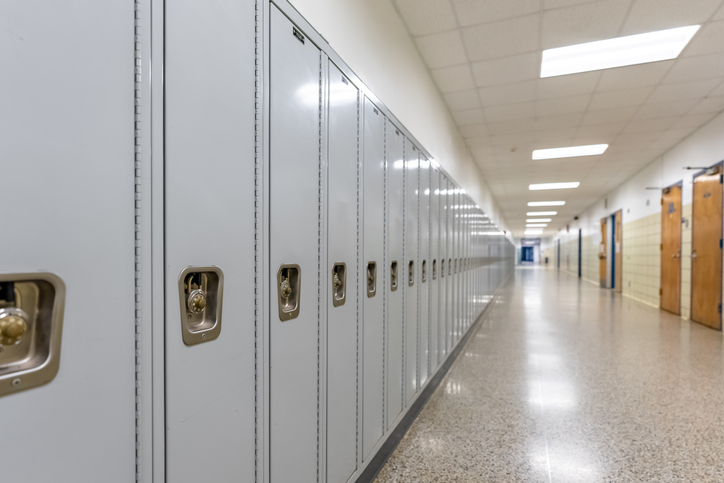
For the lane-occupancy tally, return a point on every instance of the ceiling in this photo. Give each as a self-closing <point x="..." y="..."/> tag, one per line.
<point x="485" y="57"/>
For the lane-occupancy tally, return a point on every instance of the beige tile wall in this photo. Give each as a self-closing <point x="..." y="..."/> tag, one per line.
<point x="590" y="266"/>
<point x="642" y="259"/>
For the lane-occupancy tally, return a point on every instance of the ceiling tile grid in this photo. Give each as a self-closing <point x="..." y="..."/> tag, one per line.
<point x="485" y="55"/>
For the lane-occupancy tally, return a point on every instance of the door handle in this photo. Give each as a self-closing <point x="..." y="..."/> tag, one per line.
<point x="200" y="290"/>
<point x="676" y="255"/>
<point x="339" y="284"/>
<point x="289" y="282"/>
<point x="693" y="256"/>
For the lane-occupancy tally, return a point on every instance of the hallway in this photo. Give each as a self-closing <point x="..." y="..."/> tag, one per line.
<point x="565" y="382"/>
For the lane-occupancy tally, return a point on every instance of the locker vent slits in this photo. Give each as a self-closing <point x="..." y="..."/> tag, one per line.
<point x="137" y="219"/>
<point x="257" y="234"/>
<point x="344" y="79"/>
<point x="298" y="34"/>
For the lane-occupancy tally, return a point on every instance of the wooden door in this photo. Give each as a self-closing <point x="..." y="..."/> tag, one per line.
<point x="706" y="271"/>
<point x="618" y="246"/>
<point x="671" y="249"/>
<point x="602" y="254"/>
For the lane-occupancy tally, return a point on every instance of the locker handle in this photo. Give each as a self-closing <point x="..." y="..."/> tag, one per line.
<point x="289" y="281"/>
<point x="424" y="271"/>
<point x="371" y="279"/>
<point x="339" y="284"/>
<point x="411" y="273"/>
<point x="393" y="276"/>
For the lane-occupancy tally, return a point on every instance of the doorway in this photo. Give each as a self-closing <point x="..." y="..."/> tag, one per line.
<point x="526" y="254"/>
<point x="580" y="252"/>
<point x="602" y="273"/>
<point x="706" y="247"/>
<point x="671" y="249"/>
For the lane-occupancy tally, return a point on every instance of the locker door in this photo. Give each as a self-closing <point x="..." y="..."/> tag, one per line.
<point x="449" y="199"/>
<point x="425" y="270"/>
<point x="434" y="280"/>
<point x="209" y="222"/>
<point x="395" y="179"/>
<point x="456" y="267"/>
<point x="373" y="275"/>
<point x="66" y="131"/>
<point x="443" y="277"/>
<point x="342" y="323"/>
<point x="294" y="248"/>
<point x="410" y="287"/>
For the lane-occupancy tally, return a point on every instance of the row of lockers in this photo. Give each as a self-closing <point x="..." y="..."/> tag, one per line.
<point x="245" y="270"/>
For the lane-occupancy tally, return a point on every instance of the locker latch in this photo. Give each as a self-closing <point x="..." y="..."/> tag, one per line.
<point x="371" y="279"/>
<point x="200" y="295"/>
<point x="31" y="321"/>
<point x="289" y="281"/>
<point x="411" y="273"/>
<point x="339" y="284"/>
<point x="434" y="269"/>
<point x="393" y="276"/>
<point x="442" y="268"/>
<point x="423" y="274"/>
<point x="449" y="266"/>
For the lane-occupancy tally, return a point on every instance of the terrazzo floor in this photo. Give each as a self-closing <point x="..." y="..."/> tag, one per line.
<point x="566" y="382"/>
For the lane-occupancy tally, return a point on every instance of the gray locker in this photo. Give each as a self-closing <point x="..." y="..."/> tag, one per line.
<point x="341" y="266"/>
<point x="294" y="250"/>
<point x="396" y="271"/>
<point x="209" y="178"/>
<point x="424" y="277"/>
<point x="434" y="278"/>
<point x="449" y="323"/>
<point x="67" y="136"/>
<point x="411" y="267"/>
<point x="373" y="276"/>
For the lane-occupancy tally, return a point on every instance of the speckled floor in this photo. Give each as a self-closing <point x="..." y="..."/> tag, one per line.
<point x="566" y="382"/>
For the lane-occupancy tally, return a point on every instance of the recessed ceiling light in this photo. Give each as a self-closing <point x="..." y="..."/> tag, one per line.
<point x="570" y="152"/>
<point x="617" y="52"/>
<point x="533" y="232"/>
<point x="546" y="203"/>
<point x="536" y="225"/>
<point x="554" y="186"/>
<point x="537" y="220"/>
<point x="541" y="213"/>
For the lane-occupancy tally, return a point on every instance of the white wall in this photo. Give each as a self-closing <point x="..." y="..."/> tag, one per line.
<point x="372" y="39"/>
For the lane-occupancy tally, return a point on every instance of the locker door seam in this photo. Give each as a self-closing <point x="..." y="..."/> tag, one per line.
<point x="137" y="78"/>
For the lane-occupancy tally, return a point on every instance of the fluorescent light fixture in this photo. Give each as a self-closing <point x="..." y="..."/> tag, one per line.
<point x="541" y="213"/>
<point x="546" y="203"/>
<point x="617" y="52"/>
<point x="536" y="225"/>
<point x="570" y="152"/>
<point x="537" y="220"/>
<point x="554" y="186"/>
<point x="533" y="232"/>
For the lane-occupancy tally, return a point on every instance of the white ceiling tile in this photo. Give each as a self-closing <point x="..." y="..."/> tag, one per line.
<point x="708" y="40"/>
<point x="509" y="127"/>
<point x="622" y="98"/>
<point x="462" y="100"/>
<point x="582" y="23"/>
<point x="694" y="121"/>
<point x="556" y="136"/>
<point x="502" y="39"/>
<point x="602" y="130"/>
<point x="512" y="140"/>
<point x="650" y="15"/>
<point x="720" y="14"/>
<point x="563" y="105"/>
<point x="694" y="68"/>
<point x="719" y="91"/>
<point x="472" y="12"/>
<point x="510" y="112"/>
<point x="683" y="91"/>
<point x="608" y="116"/>
<point x="479" y="142"/>
<point x="664" y="109"/>
<point x="507" y="93"/>
<point x="568" y="85"/>
<point x="451" y="79"/>
<point x="473" y="130"/>
<point x="506" y="70"/>
<point x="634" y="76"/>
<point x="442" y="50"/>
<point x="435" y="16"/>
<point x="549" y="4"/>
<point x="657" y="125"/>
<point x="559" y="121"/>
<point x="471" y="116"/>
<point x="709" y="104"/>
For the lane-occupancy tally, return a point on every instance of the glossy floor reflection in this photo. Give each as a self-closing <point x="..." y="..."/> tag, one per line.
<point x="566" y="382"/>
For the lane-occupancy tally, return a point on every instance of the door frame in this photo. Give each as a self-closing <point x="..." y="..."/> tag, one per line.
<point x="721" y="237"/>
<point x="580" y="251"/>
<point x="680" y="184"/>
